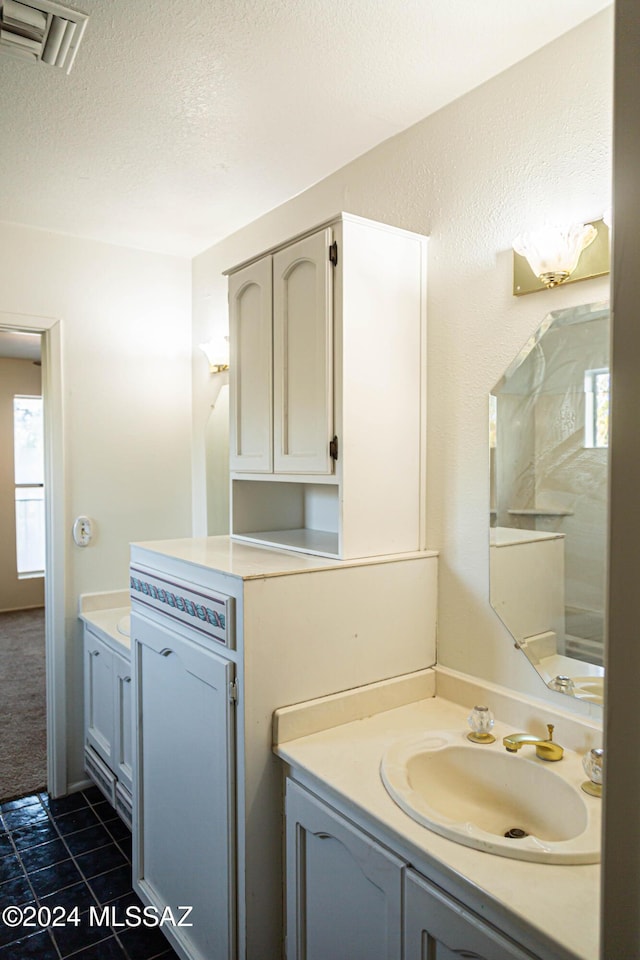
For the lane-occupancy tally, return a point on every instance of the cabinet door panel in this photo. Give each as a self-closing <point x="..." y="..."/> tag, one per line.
<point x="184" y="786"/>
<point x="98" y="697"/>
<point x="250" y="369"/>
<point x="122" y="740"/>
<point x="302" y="359"/>
<point x="343" y="889"/>
<point x="437" y="927"/>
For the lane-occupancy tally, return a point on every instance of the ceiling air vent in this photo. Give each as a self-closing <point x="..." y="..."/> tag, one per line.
<point x="43" y="30"/>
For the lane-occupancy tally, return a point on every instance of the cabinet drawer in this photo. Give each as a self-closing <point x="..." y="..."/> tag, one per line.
<point x="101" y="775"/>
<point x="208" y="614"/>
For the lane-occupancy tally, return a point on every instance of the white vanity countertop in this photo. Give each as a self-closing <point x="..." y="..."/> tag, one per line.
<point x="510" y="537"/>
<point x="247" y="561"/>
<point x="106" y="613"/>
<point x="559" y="902"/>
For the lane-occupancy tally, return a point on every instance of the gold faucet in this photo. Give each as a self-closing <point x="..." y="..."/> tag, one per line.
<point x="545" y="749"/>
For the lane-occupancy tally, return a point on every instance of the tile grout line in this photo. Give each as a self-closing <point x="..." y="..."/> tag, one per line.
<point x="112" y="842"/>
<point x="112" y="933"/>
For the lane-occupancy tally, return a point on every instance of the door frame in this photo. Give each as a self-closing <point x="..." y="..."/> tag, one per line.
<point x="55" y="559"/>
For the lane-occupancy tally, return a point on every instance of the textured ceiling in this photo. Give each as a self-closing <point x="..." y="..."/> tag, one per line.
<point x="22" y="346"/>
<point x="182" y="120"/>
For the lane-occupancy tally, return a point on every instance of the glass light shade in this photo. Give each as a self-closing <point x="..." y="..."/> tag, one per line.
<point x="217" y="353"/>
<point x="553" y="252"/>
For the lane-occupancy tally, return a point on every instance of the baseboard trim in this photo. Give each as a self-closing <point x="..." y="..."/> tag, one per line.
<point x="79" y="785"/>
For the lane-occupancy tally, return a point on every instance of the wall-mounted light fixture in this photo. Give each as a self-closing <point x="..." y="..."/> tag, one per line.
<point x="555" y="255"/>
<point x="216" y="351"/>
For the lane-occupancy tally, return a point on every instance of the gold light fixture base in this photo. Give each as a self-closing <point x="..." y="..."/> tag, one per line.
<point x="595" y="261"/>
<point x="554" y="279"/>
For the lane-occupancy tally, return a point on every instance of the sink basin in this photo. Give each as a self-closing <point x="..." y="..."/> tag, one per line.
<point x="589" y="688"/>
<point x="123" y="625"/>
<point x="511" y="805"/>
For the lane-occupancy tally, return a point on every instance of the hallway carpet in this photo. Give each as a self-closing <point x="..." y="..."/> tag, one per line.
<point x="23" y="739"/>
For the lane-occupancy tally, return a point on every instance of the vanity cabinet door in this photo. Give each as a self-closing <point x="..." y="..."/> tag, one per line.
<point x="250" y="369"/>
<point x="122" y="733"/>
<point x="437" y="927"/>
<point x="98" y="696"/>
<point x="184" y="822"/>
<point x="303" y="356"/>
<point x="344" y="891"/>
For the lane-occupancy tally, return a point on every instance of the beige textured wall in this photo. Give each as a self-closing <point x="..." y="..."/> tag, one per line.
<point x="16" y="377"/>
<point x="126" y="406"/>
<point x="533" y="143"/>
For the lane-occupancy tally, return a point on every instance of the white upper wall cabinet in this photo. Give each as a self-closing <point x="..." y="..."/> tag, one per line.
<point x="328" y="386"/>
<point x="302" y="356"/>
<point x="251" y="412"/>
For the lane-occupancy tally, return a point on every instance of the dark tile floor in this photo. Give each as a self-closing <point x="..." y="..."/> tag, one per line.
<point x="65" y="854"/>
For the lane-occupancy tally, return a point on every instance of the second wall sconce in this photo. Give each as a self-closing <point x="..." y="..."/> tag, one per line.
<point x="217" y="353"/>
<point x="555" y="255"/>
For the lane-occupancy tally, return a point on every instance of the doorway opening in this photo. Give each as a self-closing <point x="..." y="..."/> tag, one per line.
<point x="32" y="634"/>
<point x="23" y="746"/>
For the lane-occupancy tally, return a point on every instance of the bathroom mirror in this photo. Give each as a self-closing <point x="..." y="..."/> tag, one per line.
<point x="549" y="422"/>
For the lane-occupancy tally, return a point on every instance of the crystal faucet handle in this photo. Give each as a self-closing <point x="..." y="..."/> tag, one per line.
<point x="592" y="764"/>
<point x="481" y="721"/>
<point x="562" y="684"/>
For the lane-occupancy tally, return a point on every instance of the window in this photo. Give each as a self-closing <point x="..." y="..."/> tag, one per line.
<point x="29" y="485"/>
<point x="596" y="412"/>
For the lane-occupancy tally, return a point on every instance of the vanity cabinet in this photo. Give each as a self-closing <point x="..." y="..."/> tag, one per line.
<point x="223" y="633"/>
<point x="350" y="898"/>
<point x="122" y="739"/>
<point x="108" y="721"/>
<point x="327" y="392"/>
<point x="437" y="927"/>
<point x="344" y="890"/>
<point x="184" y="837"/>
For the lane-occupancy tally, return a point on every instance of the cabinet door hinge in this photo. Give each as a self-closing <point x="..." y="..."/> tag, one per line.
<point x="333" y="253"/>
<point x="233" y="691"/>
<point x="333" y="448"/>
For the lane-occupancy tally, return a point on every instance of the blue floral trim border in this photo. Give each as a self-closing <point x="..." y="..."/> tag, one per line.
<point x="196" y="610"/>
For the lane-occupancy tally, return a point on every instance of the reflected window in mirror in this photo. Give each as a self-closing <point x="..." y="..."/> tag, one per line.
<point x="596" y="417"/>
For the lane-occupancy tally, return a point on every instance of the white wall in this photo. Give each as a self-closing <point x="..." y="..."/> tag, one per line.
<point x="531" y="144"/>
<point x="126" y="373"/>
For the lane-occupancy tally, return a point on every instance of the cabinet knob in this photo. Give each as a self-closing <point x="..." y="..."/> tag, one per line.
<point x="166" y="652"/>
<point x="94" y="653"/>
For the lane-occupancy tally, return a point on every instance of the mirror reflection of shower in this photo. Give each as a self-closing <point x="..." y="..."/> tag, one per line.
<point x="549" y="492"/>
